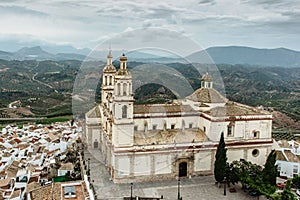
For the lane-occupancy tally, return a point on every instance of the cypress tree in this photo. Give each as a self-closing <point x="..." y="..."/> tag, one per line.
<point x="221" y="160"/>
<point x="270" y="171"/>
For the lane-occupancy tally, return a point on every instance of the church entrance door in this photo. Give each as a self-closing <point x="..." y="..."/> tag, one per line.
<point x="96" y="144"/>
<point x="182" y="169"/>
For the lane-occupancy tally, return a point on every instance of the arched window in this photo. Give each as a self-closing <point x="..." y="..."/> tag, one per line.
<point x="145" y="126"/>
<point x="230" y="129"/>
<point x="124" y="111"/>
<point x="165" y="125"/>
<point x="110" y="80"/>
<point x="119" y="89"/>
<point x="129" y="89"/>
<point x="124" y="89"/>
<point x="105" y="80"/>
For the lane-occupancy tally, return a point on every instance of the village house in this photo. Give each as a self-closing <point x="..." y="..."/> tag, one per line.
<point x="26" y="155"/>
<point x="288" y="158"/>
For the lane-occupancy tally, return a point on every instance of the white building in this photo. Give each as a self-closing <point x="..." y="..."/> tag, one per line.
<point x="288" y="159"/>
<point x="146" y="142"/>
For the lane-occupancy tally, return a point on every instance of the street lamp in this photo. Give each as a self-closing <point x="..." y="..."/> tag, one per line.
<point x="224" y="187"/>
<point x="88" y="166"/>
<point x="131" y="191"/>
<point x="179" y="198"/>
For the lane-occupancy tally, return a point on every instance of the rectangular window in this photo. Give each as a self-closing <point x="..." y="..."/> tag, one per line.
<point x="279" y="167"/>
<point x="191" y="125"/>
<point x="135" y="128"/>
<point x="229" y="131"/>
<point x="204" y="129"/>
<point x="172" y="126"/>
<point x="295" y="169"/>
<point x="256" y="134"/>
<point x="154" y="127"/>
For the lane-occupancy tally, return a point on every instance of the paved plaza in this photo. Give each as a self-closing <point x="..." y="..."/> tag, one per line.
<point x="196" y="188"/>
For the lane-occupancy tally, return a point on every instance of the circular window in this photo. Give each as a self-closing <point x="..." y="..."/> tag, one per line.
<point x="255" y="152"/>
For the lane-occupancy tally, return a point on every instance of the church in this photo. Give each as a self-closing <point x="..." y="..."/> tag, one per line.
<point x="179" y="139"/>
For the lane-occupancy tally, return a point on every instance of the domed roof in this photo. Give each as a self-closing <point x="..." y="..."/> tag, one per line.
<point x="206" y="77"/>
<point x="207" y="95"/>
<point x="109" y="68"/>
<point x="123" y="57"/>
<point x="123" y="70"/>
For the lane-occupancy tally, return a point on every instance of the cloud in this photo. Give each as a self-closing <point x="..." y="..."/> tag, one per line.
<point x="18" y="10"/>
<point x="205" y="2"/>
<point x="265" y="2"/>
<point x="209" y="22"/>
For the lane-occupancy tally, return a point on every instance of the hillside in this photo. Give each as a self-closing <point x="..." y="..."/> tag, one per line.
<point x="45" y="88"/>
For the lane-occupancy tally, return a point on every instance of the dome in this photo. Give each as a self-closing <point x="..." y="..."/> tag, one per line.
<point x="109" y="68"/>
<point x="207" y="95"/>
<point x="123" y="57"/>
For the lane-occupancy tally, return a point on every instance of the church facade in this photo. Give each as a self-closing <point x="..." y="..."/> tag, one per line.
<point x="178" y="139"/>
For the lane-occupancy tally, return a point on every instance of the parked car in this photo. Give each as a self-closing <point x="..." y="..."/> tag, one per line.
<point x="280" y="185"/>
<point x="253" y="193"/>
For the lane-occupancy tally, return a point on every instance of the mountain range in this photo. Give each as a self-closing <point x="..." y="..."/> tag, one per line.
<point x="279" y="57"/>
<point x="252" y="56"/>
<point x="37" y="53"/>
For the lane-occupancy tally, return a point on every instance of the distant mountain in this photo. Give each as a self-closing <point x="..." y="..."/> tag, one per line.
<point x="69" y="56"/>
<point x="67" y="49"/>
<point x="33" y="53"/>
<point x="279" y="57"/>
<point x="37" y="53"/>
<point x="250" y="56"/>
<point x="14" y="44"/>
<point x="5" y="55"/>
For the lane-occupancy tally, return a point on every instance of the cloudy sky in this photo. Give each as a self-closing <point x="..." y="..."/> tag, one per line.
<point x="255" y="23"/>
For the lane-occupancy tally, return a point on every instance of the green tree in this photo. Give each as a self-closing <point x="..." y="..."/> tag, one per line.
<point x="270" y="171"/>
<point x="287" y="193"/>
<point x="232" y="174"/>
<point x="296" y="181"/>
<point x="257" y="184"/>
<point x="245" y="172"/>
<point x="221" y="160"/>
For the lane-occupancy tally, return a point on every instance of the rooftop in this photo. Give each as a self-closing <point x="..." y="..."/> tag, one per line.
<point x="207" y="95"/>
<point x="291" y="156"/>
<point x="55" y="191"/>
<point x="235" y="109"/>
<point x="161" y="108"/>
<point x="66" y="166"/>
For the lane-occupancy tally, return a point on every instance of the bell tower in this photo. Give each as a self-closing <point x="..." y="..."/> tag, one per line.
<point x="108" y="79"/>
<point x="123" y="106"/>
<point x="107" y="91"/>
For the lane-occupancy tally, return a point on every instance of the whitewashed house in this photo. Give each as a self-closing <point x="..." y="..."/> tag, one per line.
<point x="288" y="159"/>
<point x="65" y="168"/>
